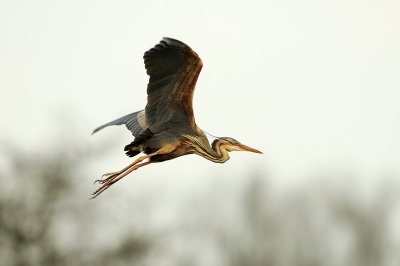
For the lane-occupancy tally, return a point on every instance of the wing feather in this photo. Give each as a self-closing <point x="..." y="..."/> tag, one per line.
<point x="134" y="122"/>
<point x="173" y="68"/>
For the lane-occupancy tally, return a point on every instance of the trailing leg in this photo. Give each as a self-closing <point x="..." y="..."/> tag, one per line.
<point x="116" y="176"/>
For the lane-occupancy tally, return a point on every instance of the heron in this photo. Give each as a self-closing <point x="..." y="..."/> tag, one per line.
<point x="166" y="128"/>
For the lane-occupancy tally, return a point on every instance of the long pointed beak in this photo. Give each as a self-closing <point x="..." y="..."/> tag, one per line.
<point x="247" y="148"/>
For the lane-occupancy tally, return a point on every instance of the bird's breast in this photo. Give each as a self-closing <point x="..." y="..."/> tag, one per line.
<point x="181" y="149"/>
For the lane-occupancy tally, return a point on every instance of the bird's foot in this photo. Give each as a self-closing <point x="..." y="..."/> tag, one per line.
<point x="110" y="176"/>
<point x="100" y="190"/>
<point x="106" y="183"/>
<point x="114" y="177"/>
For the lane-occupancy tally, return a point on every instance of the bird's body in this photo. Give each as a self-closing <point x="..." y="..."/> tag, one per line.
<point x="166" y="128"/>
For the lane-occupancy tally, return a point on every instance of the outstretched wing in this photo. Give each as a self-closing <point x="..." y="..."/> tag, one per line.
<point x="135" y="122"/>
<point x="173" y="68"/>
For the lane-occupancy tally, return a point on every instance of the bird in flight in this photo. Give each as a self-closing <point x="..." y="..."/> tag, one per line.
<point x="166" y="128"/>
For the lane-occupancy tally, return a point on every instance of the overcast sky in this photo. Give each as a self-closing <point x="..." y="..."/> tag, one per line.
<point x="313" y="84"/>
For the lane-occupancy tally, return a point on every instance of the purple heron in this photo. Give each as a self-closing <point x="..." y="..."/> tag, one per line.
<point x="166" y="128"/>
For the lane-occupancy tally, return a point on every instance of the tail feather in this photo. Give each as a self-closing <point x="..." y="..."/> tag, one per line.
<point x="137" y="146"/>
<point x="132" y="153"/>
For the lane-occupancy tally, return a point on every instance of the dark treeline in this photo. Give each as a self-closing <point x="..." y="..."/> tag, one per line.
<point x="44" y="222"/>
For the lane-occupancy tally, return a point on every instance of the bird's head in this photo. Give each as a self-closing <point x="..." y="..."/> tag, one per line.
<point x="231" y="144"/>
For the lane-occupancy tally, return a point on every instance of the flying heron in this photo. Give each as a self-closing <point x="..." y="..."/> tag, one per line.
<point x="166" y="128"/>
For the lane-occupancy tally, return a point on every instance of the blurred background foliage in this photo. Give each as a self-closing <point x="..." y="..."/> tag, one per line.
<point x="46" y="218"/>
<point x="313" y="84"/>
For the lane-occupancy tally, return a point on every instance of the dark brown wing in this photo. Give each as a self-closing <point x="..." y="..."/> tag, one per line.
<point x="173" y="68"/>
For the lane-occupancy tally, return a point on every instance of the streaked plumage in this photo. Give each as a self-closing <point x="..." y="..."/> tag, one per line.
<point x="166" y="128"/>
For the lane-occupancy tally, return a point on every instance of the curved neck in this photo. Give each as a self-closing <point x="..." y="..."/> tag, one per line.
<point x="220" y="149"/>
<point x="216" y="153"/>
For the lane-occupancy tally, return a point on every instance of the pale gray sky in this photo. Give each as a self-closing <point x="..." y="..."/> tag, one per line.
<point x="313" y="84"/>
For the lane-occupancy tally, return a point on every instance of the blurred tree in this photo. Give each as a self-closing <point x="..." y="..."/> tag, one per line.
<point x="320" y="225"/>
<point x="46" y="219"/>
<point x="39" y="191"/>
